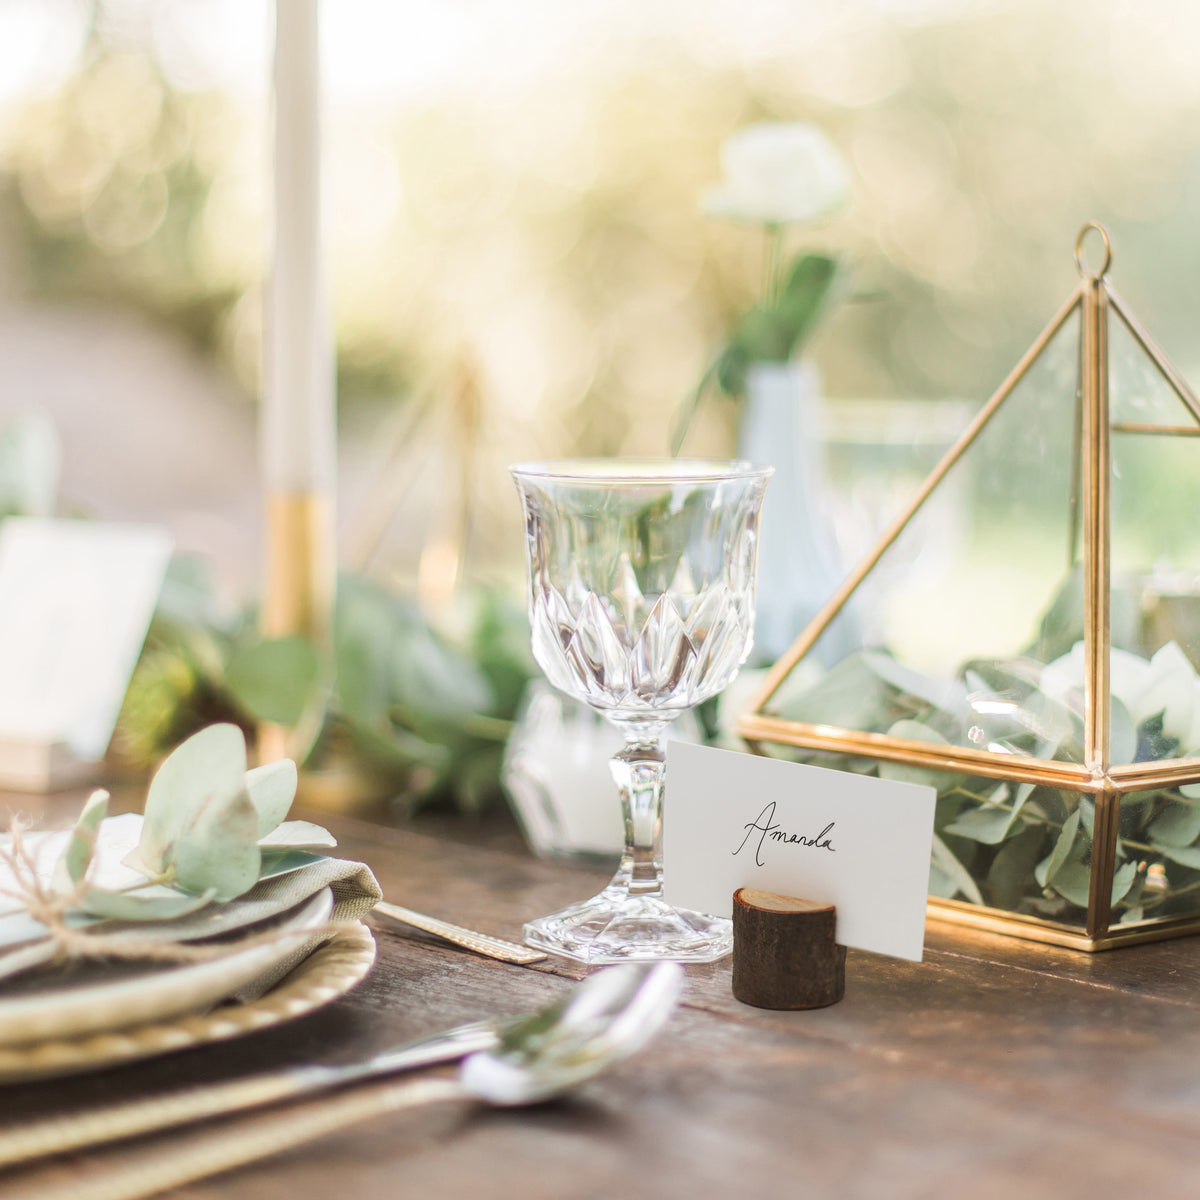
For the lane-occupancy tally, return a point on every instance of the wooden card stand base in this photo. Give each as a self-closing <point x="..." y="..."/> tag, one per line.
<point x="784" y="953"/>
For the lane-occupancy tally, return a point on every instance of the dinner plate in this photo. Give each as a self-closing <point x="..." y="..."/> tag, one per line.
<point x="328" y="973"/>
<point x="81" y="1001"/>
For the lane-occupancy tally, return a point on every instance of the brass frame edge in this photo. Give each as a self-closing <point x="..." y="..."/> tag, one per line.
<point x="756" y="727"/>
<point x="1097" y="572"/>
<point x="1034" y="929"/>
<point x="1144" y="777"/>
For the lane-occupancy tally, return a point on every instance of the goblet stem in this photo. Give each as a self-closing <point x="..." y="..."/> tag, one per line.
<point x="630" y="919"/>
<point x="638" y="770"/>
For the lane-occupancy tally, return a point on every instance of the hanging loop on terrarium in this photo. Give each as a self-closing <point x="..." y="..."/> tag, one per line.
<point x="1094" y="276"/>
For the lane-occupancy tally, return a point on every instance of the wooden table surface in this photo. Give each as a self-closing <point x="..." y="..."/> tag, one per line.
<point x="995" y="1068"/>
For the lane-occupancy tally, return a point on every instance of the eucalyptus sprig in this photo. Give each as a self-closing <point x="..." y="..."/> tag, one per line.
<point x="211" y="828"/>
<point x="774" y="330"/>
<point x="413" y="712"/>
<point x="1023" y="846"/>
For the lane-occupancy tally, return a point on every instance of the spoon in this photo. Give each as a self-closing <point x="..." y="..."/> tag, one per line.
<point x="607" y="1017"/>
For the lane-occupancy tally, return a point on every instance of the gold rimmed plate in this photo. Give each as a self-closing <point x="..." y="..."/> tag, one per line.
<point x="328" y="973"/>
<point x="83" y="998"/>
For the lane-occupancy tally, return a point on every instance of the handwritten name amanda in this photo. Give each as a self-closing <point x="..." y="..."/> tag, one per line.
<point x="765" y="826"/>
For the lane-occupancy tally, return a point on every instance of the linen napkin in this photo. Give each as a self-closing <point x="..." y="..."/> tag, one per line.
<point x="291" y="881"/>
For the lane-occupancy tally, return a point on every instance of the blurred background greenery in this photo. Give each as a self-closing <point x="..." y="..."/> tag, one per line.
<point x="520" y="265"/>
<point x="514" y="187"/>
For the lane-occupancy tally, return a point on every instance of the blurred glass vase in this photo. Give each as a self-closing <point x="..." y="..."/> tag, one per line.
<point x="799" y="566"/>
<point x="557" y="779"/>
<point x="642" y="577"/>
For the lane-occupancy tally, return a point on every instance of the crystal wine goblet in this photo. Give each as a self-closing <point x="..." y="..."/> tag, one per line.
<point x="641" y="605"/>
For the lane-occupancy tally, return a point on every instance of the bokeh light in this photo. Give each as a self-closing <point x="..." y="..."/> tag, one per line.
<point x="514" y="185"/>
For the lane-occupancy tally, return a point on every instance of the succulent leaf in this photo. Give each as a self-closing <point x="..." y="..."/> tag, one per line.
<point x="208" y="768"/>
<point x="271" y="788"/>
<point x="72" y="867"/>
<point x="218" y="848"/>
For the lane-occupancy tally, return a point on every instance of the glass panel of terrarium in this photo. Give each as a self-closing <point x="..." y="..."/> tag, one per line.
<point x="1155" y="566"/>
<point x="1156" y="630"/>
<point x="1158" y="850"/>
<point x="945" y="636"/>
<point x="1139" y="394"/>
<point x="1012" y="846"/>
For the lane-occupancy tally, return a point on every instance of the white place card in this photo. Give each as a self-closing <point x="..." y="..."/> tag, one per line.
<point x="76" y="598"/>
<point x="739" y="820"/>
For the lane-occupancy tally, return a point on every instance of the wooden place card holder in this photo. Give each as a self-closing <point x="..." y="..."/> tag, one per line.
<point x="784" y="952"/>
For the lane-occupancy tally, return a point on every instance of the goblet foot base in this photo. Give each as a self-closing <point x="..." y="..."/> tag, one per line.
<point x="614" y="927"/>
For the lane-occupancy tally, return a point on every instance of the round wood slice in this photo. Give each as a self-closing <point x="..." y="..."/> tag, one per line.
<point x="784" y="951"/>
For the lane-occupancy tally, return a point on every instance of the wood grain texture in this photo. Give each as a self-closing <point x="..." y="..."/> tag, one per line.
<point x="785" y="952"/>
<point x="994" y="1068"/>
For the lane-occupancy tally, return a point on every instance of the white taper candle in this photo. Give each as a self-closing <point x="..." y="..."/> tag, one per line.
<point x="299" y="405"/>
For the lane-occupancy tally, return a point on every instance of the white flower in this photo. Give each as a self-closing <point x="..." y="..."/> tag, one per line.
<point x="1165" y="684"/>
<point x="778" y="172"/>
<point x="1169" y="688"/>
<point x="1127" y="675"/>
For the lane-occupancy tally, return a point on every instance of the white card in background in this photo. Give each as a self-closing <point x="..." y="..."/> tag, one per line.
<point x="76" y="598"/>
<point x="739" y="820"/>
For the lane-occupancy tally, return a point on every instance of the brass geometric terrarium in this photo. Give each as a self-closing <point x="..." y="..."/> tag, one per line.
<point x="1026" y="638"/>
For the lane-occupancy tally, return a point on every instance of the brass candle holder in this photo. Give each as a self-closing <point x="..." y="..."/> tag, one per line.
<point x="1052" y="823"/>
<point x="299" y="585"/>
<point x="298" y="593"/>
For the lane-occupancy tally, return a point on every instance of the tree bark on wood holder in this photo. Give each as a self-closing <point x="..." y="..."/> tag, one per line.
<point x="784" y="952"/>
